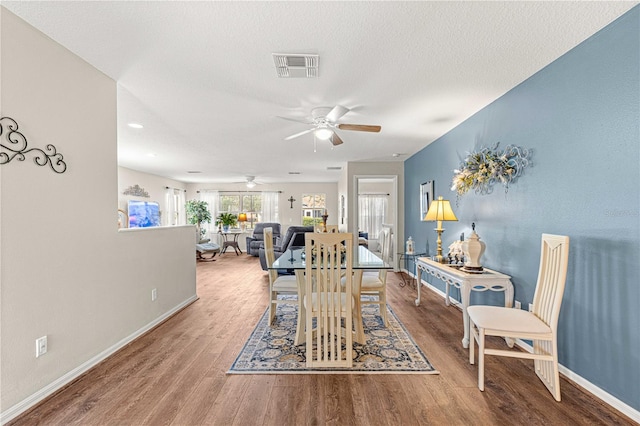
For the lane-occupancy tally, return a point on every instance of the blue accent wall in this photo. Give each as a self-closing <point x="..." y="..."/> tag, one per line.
<point x="581" y="116"/>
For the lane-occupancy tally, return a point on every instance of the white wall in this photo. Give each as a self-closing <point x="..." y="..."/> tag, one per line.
<point x="154" y="185"/>
<point x="67" y="272"/>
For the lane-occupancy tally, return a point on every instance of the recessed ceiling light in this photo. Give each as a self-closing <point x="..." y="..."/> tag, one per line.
<point x="136" y="126"/>
<point x="294" y="173"/>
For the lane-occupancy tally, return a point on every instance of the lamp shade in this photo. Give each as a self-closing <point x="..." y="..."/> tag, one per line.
<point x="242" y="217"/>
<point x="440" y="210"/>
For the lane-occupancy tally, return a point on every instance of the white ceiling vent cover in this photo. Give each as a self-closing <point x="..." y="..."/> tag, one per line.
<point x="296" y="65"/>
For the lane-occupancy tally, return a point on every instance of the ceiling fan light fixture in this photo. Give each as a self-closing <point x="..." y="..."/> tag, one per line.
<point x="323" y="133"/>
<point x="251" y="184"/>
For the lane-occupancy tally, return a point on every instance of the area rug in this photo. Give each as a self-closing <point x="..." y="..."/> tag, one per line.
<point x="388" y="350"/>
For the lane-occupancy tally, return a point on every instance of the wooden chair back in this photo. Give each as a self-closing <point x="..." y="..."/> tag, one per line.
<point x="269" y="253"/>
<point x="326" y="301"/>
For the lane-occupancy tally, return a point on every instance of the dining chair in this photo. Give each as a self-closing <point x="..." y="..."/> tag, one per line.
<point x="375" y="284"/>
<point x="278" y="285"/>
<point x="330" y="311"/>
<point x="540" y="325"/>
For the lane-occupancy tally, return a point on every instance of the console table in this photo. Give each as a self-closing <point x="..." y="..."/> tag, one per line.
<point x="407" y="257"/>
<point x="453" y="276"/>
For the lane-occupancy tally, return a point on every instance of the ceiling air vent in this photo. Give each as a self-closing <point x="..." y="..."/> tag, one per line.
<point x="334" y="168"/>
<point x="296" y="65"/>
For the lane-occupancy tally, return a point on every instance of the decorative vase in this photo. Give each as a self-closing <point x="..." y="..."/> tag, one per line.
<point x="225" y="228"/>
<point x="473" y="250"/>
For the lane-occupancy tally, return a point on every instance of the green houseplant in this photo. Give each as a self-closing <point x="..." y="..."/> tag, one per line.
<point x="197" y="213"/>
<point x="226" y="220"/>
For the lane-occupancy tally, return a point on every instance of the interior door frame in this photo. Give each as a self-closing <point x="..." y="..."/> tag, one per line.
<point x="393" y="201"/>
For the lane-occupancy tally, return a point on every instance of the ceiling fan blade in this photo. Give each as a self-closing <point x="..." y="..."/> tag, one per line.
<point x="297" y="120"/>
<point x="335" y="139"/>
<point x="288" y="138"/>
<point x="337" y="112"/>
<point x="360" y="127"/>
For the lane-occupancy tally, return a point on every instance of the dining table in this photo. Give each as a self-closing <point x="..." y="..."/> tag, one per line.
<point x="293" y="260"/>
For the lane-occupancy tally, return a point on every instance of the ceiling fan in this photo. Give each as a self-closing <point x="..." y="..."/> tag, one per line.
<point x="324" y="123"/>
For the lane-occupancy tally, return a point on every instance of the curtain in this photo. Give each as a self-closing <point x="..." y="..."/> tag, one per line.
<point x="168" y="218"/>
<point x="372" y="212"/>
<point x="270" y="207"/>
<point x="213" y="202"/>
<point x="174" y="210"/>
<point x="181" y="201"/>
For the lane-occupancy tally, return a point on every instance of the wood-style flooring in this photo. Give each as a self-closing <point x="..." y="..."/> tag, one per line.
<point x="176" y="374"/>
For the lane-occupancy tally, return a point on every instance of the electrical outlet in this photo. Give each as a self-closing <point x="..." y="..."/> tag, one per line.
<point x="154" y="295"/>
<point x="517" y="304"/>
<point x="41" y="346"/>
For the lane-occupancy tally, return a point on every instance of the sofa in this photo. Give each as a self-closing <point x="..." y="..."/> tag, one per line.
<point x="257" y="238"/>
<point x="294" y="237"/>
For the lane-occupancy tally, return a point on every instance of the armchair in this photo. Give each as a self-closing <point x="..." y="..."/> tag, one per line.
<point x="291" y="239"/>
<point x="256" y="240"/>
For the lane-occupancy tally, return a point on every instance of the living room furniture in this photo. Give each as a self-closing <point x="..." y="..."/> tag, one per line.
<point x="207" y="247"/>
<point x="278" y="285"/>
<point x="256" y="239"/>
<point x="230" y="239"/>
<point x="465" y="281"/>
<point x="540" y="325"/>
<point x="294" y="237"/>
<point x="363" y="239"/>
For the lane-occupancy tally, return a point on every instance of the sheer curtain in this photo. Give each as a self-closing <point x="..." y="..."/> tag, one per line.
<point x="372" y="213"/>
<point x="170" y="212"/>
<point x="213" y="203"/>
<point x="174" y="211"/>
<point x="270" y="207"/>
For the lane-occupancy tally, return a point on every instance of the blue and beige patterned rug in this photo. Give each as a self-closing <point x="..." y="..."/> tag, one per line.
<point x="389" y="350"/>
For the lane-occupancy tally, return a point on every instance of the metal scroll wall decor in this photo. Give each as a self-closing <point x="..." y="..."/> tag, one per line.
<point x="16" y="147"/>
<point x="137" y="191"/>
<point x="484" y="168"/>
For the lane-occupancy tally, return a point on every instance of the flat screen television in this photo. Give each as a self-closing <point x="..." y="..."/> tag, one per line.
<point x="143" y="214"/>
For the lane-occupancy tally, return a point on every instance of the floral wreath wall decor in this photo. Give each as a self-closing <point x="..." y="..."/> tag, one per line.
<point x="483" y="168"/>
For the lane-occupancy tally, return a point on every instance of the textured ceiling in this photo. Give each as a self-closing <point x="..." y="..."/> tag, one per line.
<point x="201" y="79"/>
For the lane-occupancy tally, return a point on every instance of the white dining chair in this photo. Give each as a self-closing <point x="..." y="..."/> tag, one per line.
<point x="540" y="325"/>
<point x="278" y="284"/>
<point x="375" y="284"/>
<point x="330" y="310"/>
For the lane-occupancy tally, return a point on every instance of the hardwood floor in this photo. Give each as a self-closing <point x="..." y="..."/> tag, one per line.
<point x="176" y="374"/>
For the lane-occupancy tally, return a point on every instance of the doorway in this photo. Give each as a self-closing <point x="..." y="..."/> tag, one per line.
<point x="376" y="206"/>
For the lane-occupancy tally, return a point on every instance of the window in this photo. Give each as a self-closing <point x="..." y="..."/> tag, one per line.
<point x="313" y="207"/>
<point x="251" y="204"/>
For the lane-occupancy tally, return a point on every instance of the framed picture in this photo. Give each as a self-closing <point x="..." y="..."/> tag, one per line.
<point x="426" y="196"/>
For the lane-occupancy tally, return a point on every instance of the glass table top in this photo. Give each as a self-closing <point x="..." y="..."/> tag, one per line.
<point x="363" y="259"/>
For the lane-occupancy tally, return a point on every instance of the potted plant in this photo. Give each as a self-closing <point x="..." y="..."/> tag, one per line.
<point x="226" y="220"/>
<point x="197" y="213"/>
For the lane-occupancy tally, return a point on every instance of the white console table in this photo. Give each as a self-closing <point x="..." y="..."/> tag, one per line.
<point x="452" y="276"/>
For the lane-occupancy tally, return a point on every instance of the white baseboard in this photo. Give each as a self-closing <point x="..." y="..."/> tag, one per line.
<point x="54" y="386"/>
<point x="605" y="397"/>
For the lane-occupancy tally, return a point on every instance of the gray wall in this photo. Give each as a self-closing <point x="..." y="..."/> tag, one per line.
<point x="580" y="115"/>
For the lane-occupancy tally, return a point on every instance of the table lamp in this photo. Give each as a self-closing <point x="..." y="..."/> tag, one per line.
<point x="440" y="210"/>
<point x="242" y="218"/>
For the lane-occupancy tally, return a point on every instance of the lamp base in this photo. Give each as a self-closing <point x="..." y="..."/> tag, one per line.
<point x="473" y="269"/>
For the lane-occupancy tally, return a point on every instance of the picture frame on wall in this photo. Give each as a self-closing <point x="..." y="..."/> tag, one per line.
<point x="426" y="196"/>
